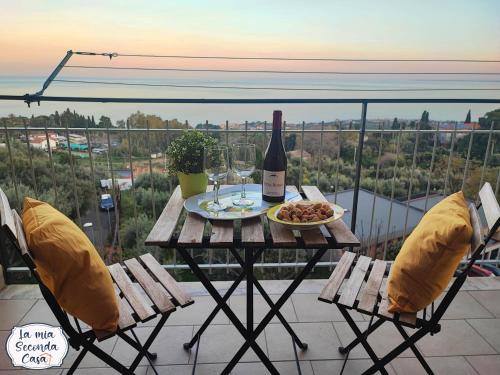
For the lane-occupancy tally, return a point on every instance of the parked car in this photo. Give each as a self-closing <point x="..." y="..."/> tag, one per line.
<point x="479" y="271"/>
<point x="107" y="202"/>
<point x="490" y="267"/>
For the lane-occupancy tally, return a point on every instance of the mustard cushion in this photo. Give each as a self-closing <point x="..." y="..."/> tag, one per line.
<point x="70" y="266"/>
<point x="430" y="255"/>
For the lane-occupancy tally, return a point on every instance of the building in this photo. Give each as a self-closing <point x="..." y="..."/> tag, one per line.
<point x="446" y="137"/>
<point x="42" y="142"/>
<point x="374" y="230"/>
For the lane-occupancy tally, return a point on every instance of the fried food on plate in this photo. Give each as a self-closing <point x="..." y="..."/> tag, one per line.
<point x="305" y="212"/>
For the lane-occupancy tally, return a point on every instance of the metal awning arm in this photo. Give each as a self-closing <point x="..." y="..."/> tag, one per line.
<point x="54" y="74"/>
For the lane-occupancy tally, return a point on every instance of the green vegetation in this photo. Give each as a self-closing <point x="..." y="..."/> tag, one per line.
<point x="185" y="153"/>
<point x="388" y="167"/>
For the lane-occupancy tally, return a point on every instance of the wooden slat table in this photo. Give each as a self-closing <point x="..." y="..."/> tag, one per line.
<point x="254" y="238"/>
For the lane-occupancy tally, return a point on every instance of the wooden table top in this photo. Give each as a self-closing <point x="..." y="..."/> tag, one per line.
<point x="257" y="232"/>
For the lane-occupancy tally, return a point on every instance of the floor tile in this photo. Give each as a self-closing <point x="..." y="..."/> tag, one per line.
<point x="284" y="368"/>
<point x="51" y="371"/>
<point x="353" y="367"/>
<point x="383" y="340"/>
<point x="220" y="343"/>
<point x="485" y="364"/>
<point x="309" y="309"/>
<point x="439" y="365"/>
<point x="90" y="360"/>
<point x="261" y="308"/>
<point x="143" y="370"/>
<point x="40" y="313"/>
<point x="12" y="311"/>
<point x="456" y="338"/>
<point x="465" y="307"/>
<point x="320" y="337"/>
<point x="490" y="299"/>
<point x="201" y="369"/>
<point x="168" y="345"/>
<point x="489" y="329"/>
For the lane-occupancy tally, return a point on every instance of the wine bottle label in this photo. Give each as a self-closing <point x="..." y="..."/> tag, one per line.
<point x="274" y="183"/>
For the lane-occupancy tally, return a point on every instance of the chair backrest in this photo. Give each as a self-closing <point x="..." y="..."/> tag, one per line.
<point x="479" y="241"/>
<point x="12" y="226"/>
<point x="491" y="209"/>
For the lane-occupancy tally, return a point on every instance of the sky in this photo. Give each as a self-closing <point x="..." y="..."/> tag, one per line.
<point x="35" y="35"/>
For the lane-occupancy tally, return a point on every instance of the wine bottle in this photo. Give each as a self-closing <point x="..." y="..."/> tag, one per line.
<point x="274" y="173"/>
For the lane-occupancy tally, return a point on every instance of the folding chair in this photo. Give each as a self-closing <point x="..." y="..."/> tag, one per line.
<point x="371" y="298"/>
<point x="162" y="291"/>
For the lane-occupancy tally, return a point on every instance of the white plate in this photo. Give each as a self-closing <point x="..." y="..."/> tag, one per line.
<point x="198" y="203"/>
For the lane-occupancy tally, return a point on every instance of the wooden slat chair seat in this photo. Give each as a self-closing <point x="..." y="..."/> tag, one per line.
<point x="359" y="284"/>
<point x="143" y="293"/>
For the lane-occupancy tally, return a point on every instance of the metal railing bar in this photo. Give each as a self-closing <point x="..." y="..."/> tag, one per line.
<point x="377" y="172"/>
<point x="35" y="99"/>
<point x="497" y="185"/>
<point x="301" y="173"/>
<point x="466" y="168"/>
<point x="172" y="266"/>
<point x="359" y="156"/>
<point x="148" y="141"/>
<point x="318" y="173"/>
<point x="52" y="169"/>
<point x="431" y="169"/>
<point x="337" y="164"/>
<point x="73" y="175"/>
<point x="286" y="129"/>
<point x="246" y="131"/>
<point x="30" y="158"/>
<point x="96" y="208"/>
<point x="12" y="166"/>
<point x="410" y="186"/>
<point x="485" y="163"/>
<point x="114" y="192"/>
<point x="450" y="158"/>
<point x="132" y="180"/>
<point x="395" y="170"/>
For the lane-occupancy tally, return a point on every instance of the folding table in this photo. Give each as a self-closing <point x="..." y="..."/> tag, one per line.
<point x="253" y="241"/>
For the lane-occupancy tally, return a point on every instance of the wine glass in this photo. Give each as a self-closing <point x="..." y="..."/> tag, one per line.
<point x="215" y="163"/>
<point x="243" y="164"/>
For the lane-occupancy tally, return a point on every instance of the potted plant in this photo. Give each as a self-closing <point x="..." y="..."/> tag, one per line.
<point x="185" y="159"/>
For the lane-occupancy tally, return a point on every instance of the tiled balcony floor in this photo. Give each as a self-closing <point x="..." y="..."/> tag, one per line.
<point x="469" y="342"/>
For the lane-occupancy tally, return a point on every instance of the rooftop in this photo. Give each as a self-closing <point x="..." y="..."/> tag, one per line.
<point x="469" y="342"/>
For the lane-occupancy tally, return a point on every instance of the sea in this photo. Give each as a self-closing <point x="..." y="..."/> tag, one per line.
<point x="255" y="88"/>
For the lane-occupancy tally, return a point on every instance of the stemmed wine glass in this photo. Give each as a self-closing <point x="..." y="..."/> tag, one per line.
<point x="243" y="164"/>
<point x="215" y="163"/>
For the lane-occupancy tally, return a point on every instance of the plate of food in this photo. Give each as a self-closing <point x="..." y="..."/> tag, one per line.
<point x="303" y="215"/>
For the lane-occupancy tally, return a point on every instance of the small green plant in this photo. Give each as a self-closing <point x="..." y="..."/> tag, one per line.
<point x="185" y="154"/>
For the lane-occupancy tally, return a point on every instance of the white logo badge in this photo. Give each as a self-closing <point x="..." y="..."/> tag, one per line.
<point x="37" y="346"/>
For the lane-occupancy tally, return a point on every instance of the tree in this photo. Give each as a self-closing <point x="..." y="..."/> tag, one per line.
<point x="105" y="122"/>
<point x="290" y="142"/>
<point x="467" y="118"/>
<point x="395" y="124"/>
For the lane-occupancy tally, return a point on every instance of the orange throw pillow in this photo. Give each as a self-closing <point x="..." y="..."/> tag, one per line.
<point x="430" y="255"/>
<point x="70" y="266"/>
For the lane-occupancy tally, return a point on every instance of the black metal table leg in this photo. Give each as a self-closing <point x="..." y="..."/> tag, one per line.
<point x="281" y="301"/>
<point x="249" y="339"/>
<point x="249" y="272"/>
<point x="229" y="292"/>
<point x="269" y="301"/>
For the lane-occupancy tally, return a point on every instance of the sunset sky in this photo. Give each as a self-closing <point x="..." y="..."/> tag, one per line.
<point x="34" y="35"/>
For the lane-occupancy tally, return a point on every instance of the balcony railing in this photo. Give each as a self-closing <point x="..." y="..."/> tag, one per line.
<point x="387" y="174"/>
